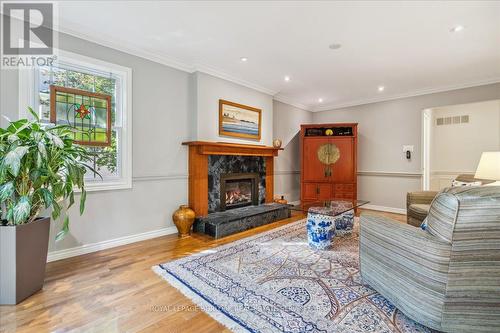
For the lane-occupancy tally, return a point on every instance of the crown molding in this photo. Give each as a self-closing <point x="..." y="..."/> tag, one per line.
<point x="222" y="75"/>
<point x="135" y="51"/>
<point x="167" y="61"/>
<point x="288" y="101"/>
<point x="191" y="68"/>
<point x="406" y="95"/>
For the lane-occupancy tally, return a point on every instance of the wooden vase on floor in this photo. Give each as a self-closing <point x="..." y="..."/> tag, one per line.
<point x="281" y="200"/>
<point x="183" y="220"/>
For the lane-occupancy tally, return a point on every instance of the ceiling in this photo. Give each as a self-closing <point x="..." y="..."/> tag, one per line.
<point x="407" y="47"/>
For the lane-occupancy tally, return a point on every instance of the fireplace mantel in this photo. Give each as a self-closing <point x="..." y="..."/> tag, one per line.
<point x="226" y="148"/>
<point x="198" y="168"/>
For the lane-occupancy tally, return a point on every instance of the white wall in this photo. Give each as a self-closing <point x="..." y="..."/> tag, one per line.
<point x="169" y="107"/>
<point x="160" y="98"/>
<point x="210" y="89"/>
<point x="286" y="122"/>
<point x="456" y="148"/>
<point x="384" y="173"/>
<point x="165" y="113"/>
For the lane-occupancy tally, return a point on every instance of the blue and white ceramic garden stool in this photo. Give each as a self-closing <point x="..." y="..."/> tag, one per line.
<point x="320" y="230"/>
<point x="323" y="223"/>
<point x="344" y="223"/>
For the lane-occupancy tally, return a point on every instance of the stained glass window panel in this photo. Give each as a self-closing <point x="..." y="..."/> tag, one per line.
<point x="78" y="76"/>
<point x="88" y="113"/>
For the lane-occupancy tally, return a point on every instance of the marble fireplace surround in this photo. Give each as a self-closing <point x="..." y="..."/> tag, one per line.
<point x="207" y="160"/>
<point x="219" y="165"/>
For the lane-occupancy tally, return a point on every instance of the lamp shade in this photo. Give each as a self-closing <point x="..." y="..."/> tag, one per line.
<point x="489" y="166"/>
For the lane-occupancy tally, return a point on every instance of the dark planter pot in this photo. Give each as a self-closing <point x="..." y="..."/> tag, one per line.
<point x="23" y="256"/>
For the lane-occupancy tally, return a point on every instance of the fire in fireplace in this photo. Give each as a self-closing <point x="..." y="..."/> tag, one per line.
<point x="239" y="190"/>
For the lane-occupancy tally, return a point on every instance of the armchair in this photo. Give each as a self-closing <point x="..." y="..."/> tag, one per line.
<point x="418" y="203"/>
<point x="448" y="276"/>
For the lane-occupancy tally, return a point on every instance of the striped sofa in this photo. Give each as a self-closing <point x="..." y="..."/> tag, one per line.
<point x="448" y="276"/>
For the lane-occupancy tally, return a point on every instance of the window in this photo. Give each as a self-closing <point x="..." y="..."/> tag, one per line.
<point x="113" y="162"/>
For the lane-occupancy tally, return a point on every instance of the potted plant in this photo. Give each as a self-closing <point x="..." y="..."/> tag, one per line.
<point x="40" y="168"/>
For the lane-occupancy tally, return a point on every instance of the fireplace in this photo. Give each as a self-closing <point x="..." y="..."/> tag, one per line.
<point x="238" y="190"/>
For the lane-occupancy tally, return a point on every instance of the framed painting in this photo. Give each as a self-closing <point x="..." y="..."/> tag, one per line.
<point x="87" y="113"/>
<point x="240" y="121"/>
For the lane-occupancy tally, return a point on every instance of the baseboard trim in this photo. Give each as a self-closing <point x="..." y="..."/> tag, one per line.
<point x="108" y="244"/>
<point x="372" y="207"/>
<point x="385" y="209"/>
<point x="94" y="247"/>
<point x="286" y="172"/>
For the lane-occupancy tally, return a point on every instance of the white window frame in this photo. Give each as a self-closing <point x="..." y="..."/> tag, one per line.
<point x="28" y="92"/>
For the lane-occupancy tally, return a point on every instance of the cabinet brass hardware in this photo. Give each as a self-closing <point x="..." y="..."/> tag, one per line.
<point x="328" y="171"/>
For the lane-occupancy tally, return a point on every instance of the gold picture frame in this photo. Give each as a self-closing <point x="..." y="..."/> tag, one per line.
<point x="239" y="121"/>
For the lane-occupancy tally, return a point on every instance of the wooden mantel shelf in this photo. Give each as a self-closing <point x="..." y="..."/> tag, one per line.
<point x="198" y="168"/>
<point x="226" y="148"/>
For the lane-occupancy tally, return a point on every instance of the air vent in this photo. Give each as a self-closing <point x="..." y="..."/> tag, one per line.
<point x="452" y="120"/>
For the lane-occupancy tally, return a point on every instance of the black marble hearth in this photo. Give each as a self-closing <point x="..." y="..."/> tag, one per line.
<point x="221" y="224"/>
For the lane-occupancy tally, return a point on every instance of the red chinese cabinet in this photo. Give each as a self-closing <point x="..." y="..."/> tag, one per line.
<point x="328" y="158"/>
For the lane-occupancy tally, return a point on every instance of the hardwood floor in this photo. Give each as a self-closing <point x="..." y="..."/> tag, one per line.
<point x="115" y="290"/>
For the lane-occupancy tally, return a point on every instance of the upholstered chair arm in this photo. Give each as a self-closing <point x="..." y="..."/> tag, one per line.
<point x="413" y="247"/>
<point x="472" y="301"/>
<point x="407" y="265"/>
<point x="420" y="197"/>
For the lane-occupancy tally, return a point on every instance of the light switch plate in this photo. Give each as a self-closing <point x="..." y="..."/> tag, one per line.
<point x="407" y="148"/>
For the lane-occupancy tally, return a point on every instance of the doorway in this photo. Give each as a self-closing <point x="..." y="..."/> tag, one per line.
<point x="453" y="138"/>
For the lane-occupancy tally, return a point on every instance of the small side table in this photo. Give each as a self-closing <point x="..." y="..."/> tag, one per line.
<point x="320" y="231"/>
<point x="325" y="219"/>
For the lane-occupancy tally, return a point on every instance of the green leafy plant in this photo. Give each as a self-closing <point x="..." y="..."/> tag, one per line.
<point x="40" y="167"/>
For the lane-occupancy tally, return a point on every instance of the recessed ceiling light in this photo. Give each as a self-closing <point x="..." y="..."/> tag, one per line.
<point x="287" y="78"/>
<point x="381" y="88"/>
<point x="457" y="28"/>
<point x="244" y="59"/>
<point x="335" y="46"/>
<point x="320" y="100"/>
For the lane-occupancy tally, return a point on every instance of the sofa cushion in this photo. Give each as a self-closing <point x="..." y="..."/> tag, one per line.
<point x="416" y="213"/>
<point x="420" y="209"/>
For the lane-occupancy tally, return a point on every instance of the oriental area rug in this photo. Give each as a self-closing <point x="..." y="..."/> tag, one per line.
<point x="274" y="282"/>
